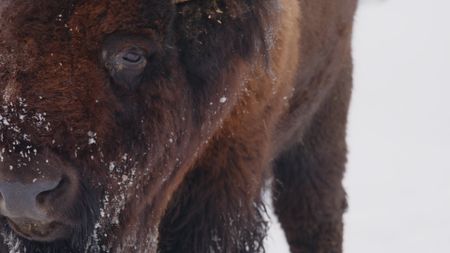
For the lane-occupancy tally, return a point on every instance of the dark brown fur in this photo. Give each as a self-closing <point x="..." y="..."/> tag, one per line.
<point x="232" y="89"/>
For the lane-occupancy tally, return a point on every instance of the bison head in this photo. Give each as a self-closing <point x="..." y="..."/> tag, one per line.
<point x="105" y="106"/>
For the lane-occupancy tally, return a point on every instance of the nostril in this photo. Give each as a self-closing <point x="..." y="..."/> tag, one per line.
<point x="54" y="192"/>
<point x="30" y="200"/>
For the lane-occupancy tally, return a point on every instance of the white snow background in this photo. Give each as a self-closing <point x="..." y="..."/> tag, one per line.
<point x="398" y="175"/>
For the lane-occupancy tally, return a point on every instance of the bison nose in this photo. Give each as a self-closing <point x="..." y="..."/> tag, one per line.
<point x="28" y="200"/>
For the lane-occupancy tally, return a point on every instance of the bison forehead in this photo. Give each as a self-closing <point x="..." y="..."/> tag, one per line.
<point x="93" y="18"/>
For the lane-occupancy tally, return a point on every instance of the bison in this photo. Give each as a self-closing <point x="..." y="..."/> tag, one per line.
<point x="155" y="125"/>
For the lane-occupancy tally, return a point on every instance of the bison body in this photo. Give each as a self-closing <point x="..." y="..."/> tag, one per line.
<point x="154" y="126"/>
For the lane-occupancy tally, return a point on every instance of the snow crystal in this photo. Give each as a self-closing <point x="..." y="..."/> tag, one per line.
<point x="92" y="136"/>
<point x="112" y="165"/>
<point x="223" y="100"/>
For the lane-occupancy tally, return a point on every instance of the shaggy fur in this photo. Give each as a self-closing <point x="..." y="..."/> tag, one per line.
<point x="175" y="159"/>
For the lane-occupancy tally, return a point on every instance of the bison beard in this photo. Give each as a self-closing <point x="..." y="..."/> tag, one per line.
<point x="154" y="126"/>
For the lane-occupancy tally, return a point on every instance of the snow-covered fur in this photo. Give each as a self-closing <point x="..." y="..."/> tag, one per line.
<point x="168" y="120"/>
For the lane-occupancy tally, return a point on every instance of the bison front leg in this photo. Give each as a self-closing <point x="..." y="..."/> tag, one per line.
<point x="309" y="198"/>
<point x="218" y="207"/>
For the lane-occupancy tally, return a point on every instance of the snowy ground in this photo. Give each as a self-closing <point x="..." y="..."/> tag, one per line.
<point x="398" y="178"/>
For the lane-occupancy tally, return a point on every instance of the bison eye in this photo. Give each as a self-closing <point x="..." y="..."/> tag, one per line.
<point x="132" y="58"/>
<point x="127" y="66"/>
